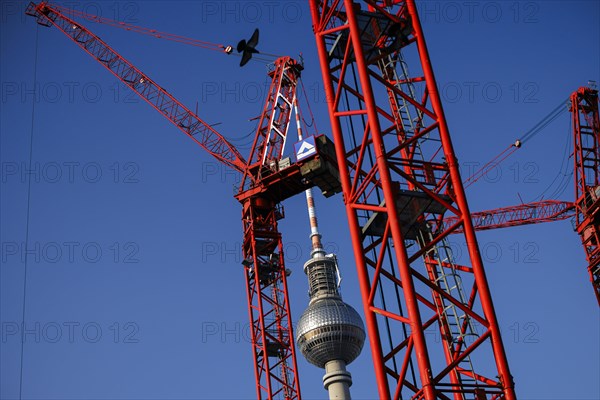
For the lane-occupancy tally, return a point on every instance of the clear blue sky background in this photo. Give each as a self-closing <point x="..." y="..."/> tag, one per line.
<point x="161" y="311"/>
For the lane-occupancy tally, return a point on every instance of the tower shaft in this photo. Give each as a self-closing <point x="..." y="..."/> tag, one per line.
<point x="337" y="380"/>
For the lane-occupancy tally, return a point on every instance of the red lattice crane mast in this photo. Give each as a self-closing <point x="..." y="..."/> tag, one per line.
<point x="267" y="180"/>
<point x="400" y="178"/>
<point x="586" y="155"/>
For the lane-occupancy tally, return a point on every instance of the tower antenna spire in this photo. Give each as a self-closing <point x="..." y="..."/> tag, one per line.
<point x="330" y="333"/>
<point x="315" y="237"/>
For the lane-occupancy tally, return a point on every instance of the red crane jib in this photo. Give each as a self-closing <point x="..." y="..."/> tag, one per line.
<point x="522" y="214"/>
<point x="182" y="117"/>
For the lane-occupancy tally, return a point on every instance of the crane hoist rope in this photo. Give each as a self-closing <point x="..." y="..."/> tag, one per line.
<point x="504" y="154"/>
<point x="266" y="58"/>
<point x="28" y="215"/>
<point x="544" y="122"/>
<point x="313" y="122"/>
<point x="565" y="171"/>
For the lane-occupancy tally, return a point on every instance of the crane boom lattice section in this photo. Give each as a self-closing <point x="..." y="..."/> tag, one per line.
<point x="274" y="121"/>
<point x="522" y="214"/>
<point x="186" y="120"/>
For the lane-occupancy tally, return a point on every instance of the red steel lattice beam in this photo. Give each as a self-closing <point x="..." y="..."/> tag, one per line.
<point x="172" y="109"/>
<point x="269" y="142"/>
<point x="272" y="337"/>
<point x="522" y="214"/>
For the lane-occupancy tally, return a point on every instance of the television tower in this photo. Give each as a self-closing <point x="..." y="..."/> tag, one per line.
<point x="330" y="333"/>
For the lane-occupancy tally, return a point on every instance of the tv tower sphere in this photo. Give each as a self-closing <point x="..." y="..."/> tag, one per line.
<point x="329" y="329"/>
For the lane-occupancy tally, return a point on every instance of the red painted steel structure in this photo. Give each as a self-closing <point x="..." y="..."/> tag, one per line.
<point x="186" y="120"/>
<point x="400" y="177"/>
<point x="273" y="348"/>
<point x="269" y="142"/>
<point x="265" y="185"/>
<point x="271" y="328"/>
<point x="585" y="210"/>
<point x="522" y="214"/>
<point x="403" y="157"/>
<point x="586" y="155"/>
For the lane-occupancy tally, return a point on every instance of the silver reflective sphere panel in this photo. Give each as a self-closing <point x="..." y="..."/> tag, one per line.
<point x="328" y="330"/>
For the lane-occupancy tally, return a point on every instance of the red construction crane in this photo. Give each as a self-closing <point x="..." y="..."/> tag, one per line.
<point x="394" y="161"/>
<point x="267" y="180"/>
<point x="585" y="209"/>
<point x="399" y="178"/>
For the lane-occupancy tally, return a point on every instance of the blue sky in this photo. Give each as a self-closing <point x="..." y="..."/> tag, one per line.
<point x="135" y="288"/>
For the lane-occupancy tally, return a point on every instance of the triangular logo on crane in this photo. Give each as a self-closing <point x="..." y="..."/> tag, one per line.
<point x="305" y="148"/>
